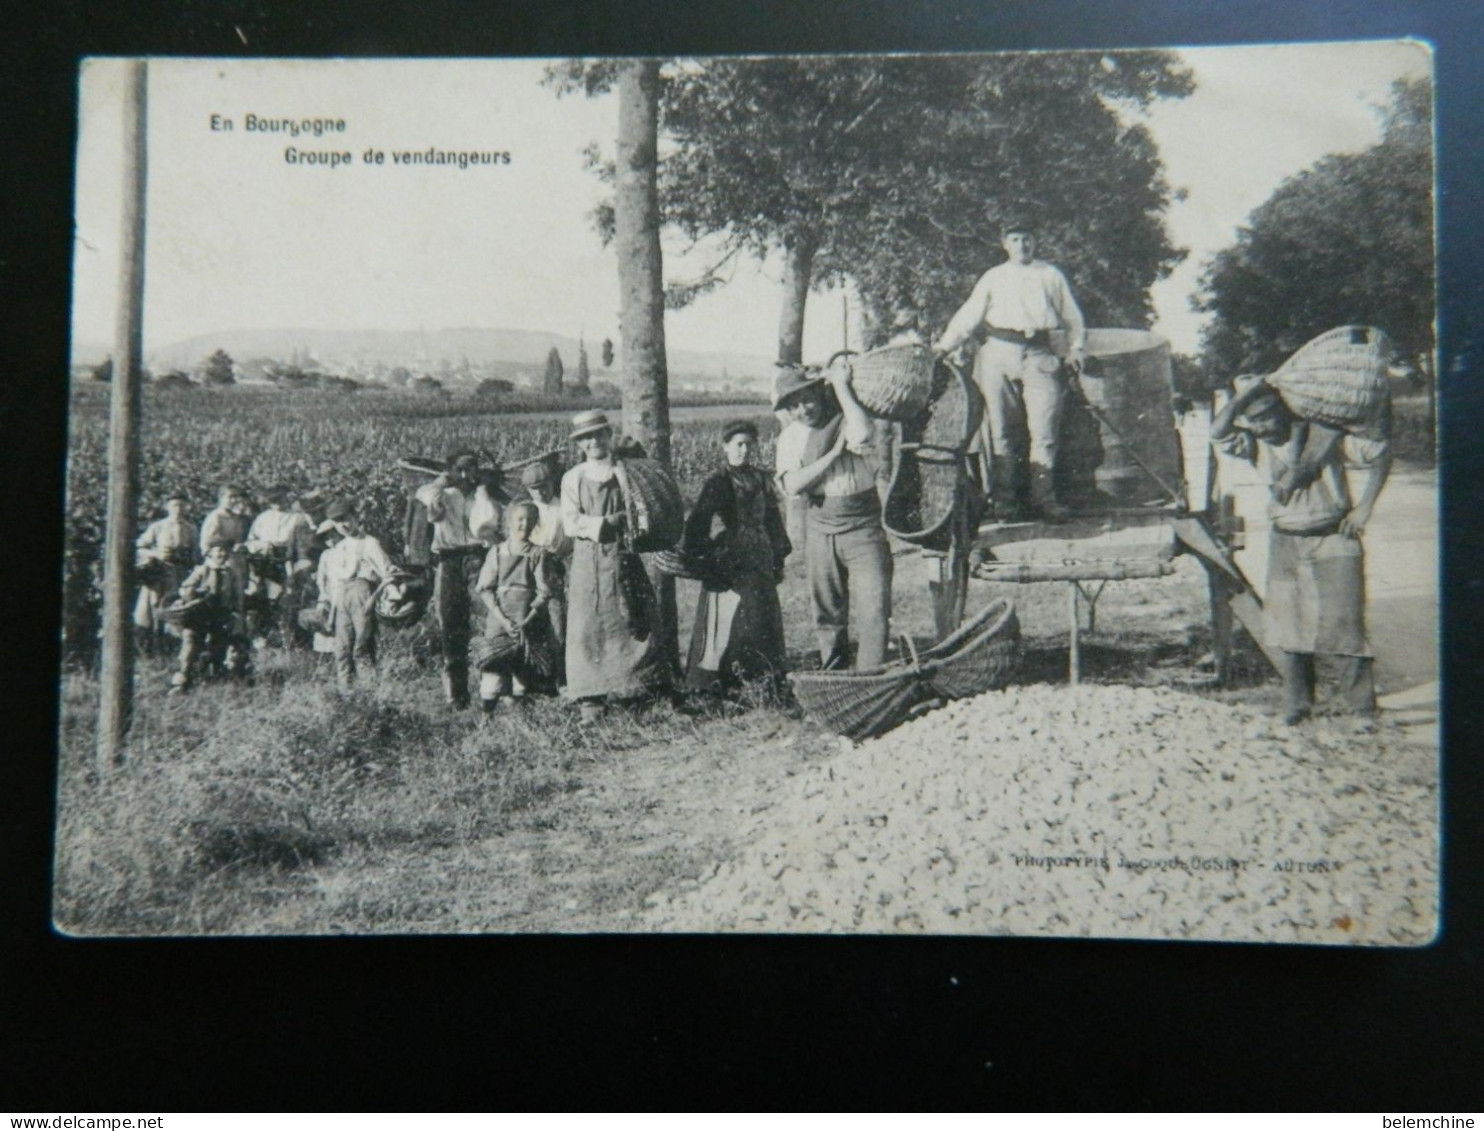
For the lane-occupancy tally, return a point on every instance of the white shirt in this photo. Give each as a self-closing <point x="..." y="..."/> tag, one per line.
<point x="850" y="474"/>
<point x="574" y="523"/>
<point x="1019" y="296"/>
<point x="278" y="528"/>
<point x="550" y="534"/>
<point x="451" y="531"/>
<point x="351" y="559"/>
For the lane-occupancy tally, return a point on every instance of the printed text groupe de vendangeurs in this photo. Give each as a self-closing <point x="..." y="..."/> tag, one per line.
<point x="320" y="127"/>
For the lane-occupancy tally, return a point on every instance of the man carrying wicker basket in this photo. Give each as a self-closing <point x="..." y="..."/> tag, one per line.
<point x="845" y="550"/>
<point x="1315" y="600"/>
<point x="1012" y="311"/>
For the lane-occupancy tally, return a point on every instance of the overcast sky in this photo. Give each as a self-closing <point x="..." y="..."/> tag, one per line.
<point x="240" y="238"/>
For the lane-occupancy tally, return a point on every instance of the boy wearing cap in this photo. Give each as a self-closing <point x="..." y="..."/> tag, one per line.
<point x="739" y="622"/>
<point x="613" y="647"/>
<point x="163" y="554"/>
<point x="846" y="554"/>
<point x="215" y="628"/>
<point x="350" y="574"/>
<point x="1013" y="308"/>
<point x="457" y="557"/>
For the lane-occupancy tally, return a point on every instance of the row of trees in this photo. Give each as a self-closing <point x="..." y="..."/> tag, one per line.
<point x="896" y="173"/>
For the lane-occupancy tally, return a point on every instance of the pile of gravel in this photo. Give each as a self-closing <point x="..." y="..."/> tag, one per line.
<point x="1097" y="811"/>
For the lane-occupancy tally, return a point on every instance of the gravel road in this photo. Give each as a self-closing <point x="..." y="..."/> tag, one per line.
<point x="1098" y="811"/>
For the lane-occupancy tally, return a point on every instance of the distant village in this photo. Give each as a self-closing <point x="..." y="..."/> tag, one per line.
<point x="477" y="362"/>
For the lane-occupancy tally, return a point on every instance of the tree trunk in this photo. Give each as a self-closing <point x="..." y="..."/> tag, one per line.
<point x="798" y="266"/>
<point x="646" y="408"/>
<point x="646" y="403"/>
<point x="115" y="702"/>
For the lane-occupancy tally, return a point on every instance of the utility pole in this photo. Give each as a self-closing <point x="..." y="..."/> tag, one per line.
<point x="115" y="703"/>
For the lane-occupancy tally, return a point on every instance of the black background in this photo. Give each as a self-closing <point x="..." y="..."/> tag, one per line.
<point x="493" y="1023"/>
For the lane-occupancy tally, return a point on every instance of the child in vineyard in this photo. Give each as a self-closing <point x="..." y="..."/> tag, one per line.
<point x="164" y="555"/>
<point x="551" y="536"/>
<point x="350" y="575"/>
<point x="1315" y="601"/>
<point x="213" y="631"/>
<point x="517" y="649"/>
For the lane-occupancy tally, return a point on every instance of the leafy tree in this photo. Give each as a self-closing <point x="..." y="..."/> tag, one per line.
<point x="493" y="387"/>
<point x="399" y="377"/>
<point x="425" y="384"/>
<point x="607" y="353"/>
<point x="173" y="379"/>
<point x="218" y="369"/>
<point x="1349" y="240"/>
<point x="896" y="173"/>
<point x="551" y="381"/>
<point x="103" y="371"/>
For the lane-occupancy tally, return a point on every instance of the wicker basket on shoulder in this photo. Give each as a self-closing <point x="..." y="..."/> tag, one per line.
<point x="894" y="382"/>
<point x="656" y="509"/>
<point x="980" y="656"/>
<point x="1339" y="379"/>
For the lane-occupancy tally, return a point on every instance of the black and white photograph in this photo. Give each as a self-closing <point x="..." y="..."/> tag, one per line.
<point x="984" y="494"/>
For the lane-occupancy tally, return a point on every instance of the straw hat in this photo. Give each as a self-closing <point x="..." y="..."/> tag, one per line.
<point x="589" y="423"/>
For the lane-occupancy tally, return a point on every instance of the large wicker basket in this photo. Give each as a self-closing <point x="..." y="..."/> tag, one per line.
<point x="1339" y="379"/>
<point x="929" y="470"/>
<point x="656" y="509"/>
<point x="980" y="656"/>
<point x="894" y="382"/>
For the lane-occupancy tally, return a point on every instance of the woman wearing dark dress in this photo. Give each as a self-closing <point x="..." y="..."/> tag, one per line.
<point x="739" y="623"/>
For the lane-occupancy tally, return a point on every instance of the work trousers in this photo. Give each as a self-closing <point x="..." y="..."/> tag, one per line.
<point x="850" y="579"/>
<point x="1023" y="396"/>
<point x="1355" y="685"/>
<point x="454" y="577"/>
<point x="355" y="633"/>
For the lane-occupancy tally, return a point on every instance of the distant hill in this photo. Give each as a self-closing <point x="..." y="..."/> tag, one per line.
<point x="423" y="350"/>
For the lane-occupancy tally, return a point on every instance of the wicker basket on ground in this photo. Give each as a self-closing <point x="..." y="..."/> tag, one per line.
<point x="980" y="656"/>
<point x="894" y="382"/>
<point x="1339" y="379"/>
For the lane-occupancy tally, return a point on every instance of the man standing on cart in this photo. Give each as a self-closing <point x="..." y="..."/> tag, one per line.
<point x="1012" y="311"/>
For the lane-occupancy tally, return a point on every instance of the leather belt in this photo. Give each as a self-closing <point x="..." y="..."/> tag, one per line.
<point x="1036" y="339"/>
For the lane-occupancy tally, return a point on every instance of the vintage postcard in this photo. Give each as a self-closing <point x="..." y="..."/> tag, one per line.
<point x="959" y="494"/>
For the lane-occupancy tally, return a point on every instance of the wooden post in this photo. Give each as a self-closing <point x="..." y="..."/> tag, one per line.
<point x="1074" y="658"/>
<point x="123" y="436"/>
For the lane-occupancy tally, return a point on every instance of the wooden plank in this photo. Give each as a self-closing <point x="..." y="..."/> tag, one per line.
<point x="1022" y="573"/>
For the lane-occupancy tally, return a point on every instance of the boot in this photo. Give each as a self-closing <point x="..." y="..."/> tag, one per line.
<point x="1043" y="494"/>
<point x="456" y="689"/>
<point x="1004" y="491"/>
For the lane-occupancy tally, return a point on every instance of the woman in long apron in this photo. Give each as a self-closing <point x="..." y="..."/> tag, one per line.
<point x="739" y="623"/>
<point x="613" y="650"/>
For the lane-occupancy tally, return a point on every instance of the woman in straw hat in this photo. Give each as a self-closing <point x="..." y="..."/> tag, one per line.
<point x="739" y="622"/>
<point x="612" y="614"/>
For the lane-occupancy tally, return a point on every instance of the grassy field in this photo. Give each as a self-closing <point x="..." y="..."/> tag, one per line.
<point x="287" y="808"/>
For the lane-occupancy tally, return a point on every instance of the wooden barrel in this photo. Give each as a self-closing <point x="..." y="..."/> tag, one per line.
<point x="1129" y="381"/>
